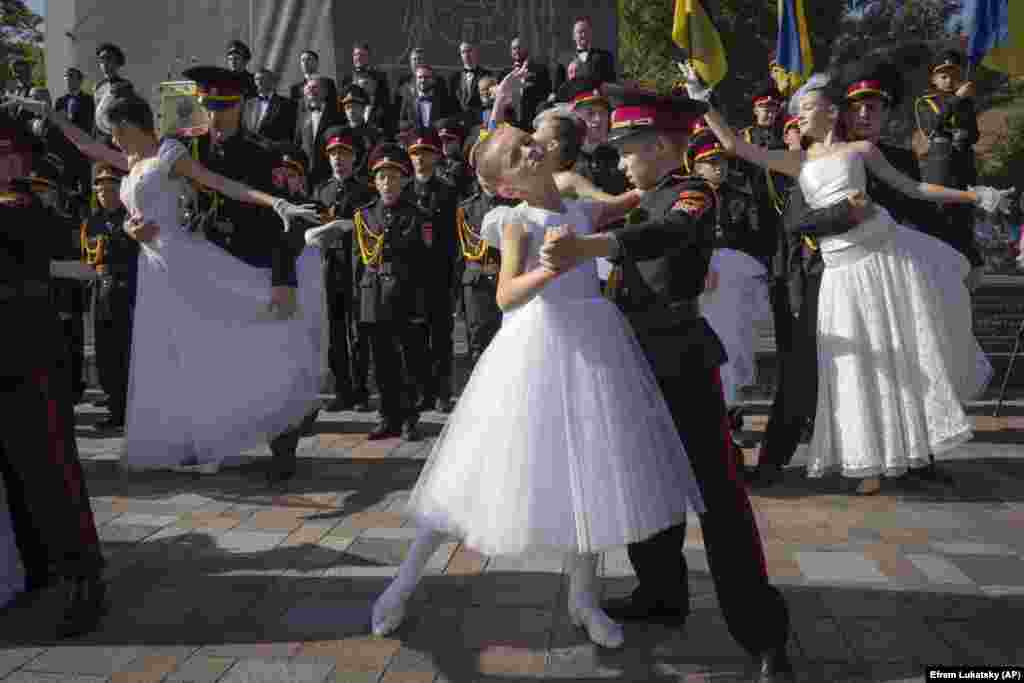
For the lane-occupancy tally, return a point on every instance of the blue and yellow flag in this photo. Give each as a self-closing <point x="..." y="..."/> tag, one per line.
<point x="996" y="38"/>
<point x="793" y="59"/>
<point x="693" y="31"/>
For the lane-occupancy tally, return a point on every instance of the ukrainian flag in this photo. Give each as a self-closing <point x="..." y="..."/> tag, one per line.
<point x="793" y="59"/>
<point x="997" y="35"/>
<point x="693" y="31"/>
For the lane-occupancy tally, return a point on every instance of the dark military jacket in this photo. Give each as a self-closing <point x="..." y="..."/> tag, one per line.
<point x="769" y="188"/>
<point x="342" y="197"/>
<point x="251" y="233"/>
<point x="392" y="261"/>
<point x="601" y="167"/>
<point x="458" y="174"/>
<point x="478" y="261"/>
<point x="904" y="209"/>
<point x="115" y="255"/>
<point x="738" y="224"/>
<point x="439" y="200"/>
<point x="950" y="123"/>
<point x="26" y="249"/>
<point x="664" y="254"/>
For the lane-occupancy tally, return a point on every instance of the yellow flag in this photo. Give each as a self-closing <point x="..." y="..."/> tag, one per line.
<point x="693" y="31"/>
<point x="1010" y="58"/>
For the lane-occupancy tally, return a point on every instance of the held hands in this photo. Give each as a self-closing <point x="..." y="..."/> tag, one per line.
<point x="560" y="251"/>
<point x="328" y="232"/>
<point x="289" y="212"/>
<point x="139" y="230"/>
<point x="991" y="200"/>
<point x="511" y="87"/>
<point x="711" y="281"/>
<point x="283" y="302"/>
<point x="861" y="207"/>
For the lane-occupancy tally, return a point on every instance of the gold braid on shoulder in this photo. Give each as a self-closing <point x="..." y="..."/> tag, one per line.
<point x="474" y="246"/>
<point x="371" y="244"/>
<point x="93" y="251"/>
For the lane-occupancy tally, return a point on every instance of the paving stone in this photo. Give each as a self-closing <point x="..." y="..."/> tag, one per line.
<point x="405" y="533"/>
<point x="16" y="657"/>
<point x="517" y="627"/>
<point x="277" y="670"/>
<point x="516" y="589"/>
<point x="249" y="541"/>
<point x="81" y="659"/>
<point x="940" y="570"/>
<point x="115" y="532"/>
<point x="408" y="660"/>
<point x="978" y="643"/>
<point x="579" y="662"/>
<point x="510" y="661"/>
<point x="144" y="519"/>
<point x="321" y="618"/>
<point x="247" y="650"/>
<point x="992" y="570"/>
<point x="1001" y="591"/>
<point x="822" y="640"/>
<point x="366" y="571"/>
<point x="358" y="655"/>
<point x="873" y="640"/>
<point x="973" y="549"/>
<point x="37" y="677"/>
<point x="534" y="561"/>
<point x="838" y="567"/>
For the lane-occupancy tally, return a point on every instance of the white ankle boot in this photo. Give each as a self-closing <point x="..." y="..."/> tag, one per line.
<point x="389" y="609"/>
<point x="584" y="609"/>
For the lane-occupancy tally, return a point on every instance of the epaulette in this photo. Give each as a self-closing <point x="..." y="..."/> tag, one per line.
<point x="696" y="196"/>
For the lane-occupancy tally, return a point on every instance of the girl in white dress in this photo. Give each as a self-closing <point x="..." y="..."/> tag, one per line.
<point x="561" y="439"/>
<point x="214" y="371"/>
<point x="892" y="371"/>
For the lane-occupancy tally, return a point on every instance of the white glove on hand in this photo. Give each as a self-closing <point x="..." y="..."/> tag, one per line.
<point x="328" y="233"/>
<point x="991" y="200"/>
<point x="695" y="87"/>
<point x="290" y="212"/>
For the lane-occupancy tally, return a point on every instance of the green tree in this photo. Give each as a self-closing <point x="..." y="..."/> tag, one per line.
<point x="21" y="35"/>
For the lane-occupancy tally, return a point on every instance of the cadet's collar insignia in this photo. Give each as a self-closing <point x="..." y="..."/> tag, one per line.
<point x="693" y="202"/>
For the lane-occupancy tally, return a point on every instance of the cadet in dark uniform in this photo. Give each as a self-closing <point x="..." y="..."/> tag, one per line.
<point x="948" y="130"/>
<point x="238" y="56"/>
<point x="115" y="256"/>
<point x="55" y="530"/>
<point x="111" y="60"/>
<point x="598" y="161"/>
<point x="478" y="266"/>
<point x="664" y="252"/>
<point x="438" y="200"/>
<point x="392" y="267"/>
<point x="340" y="197"/>
<point x="353" y="102"/>
<point x="251" y="233"/>
<point x="454" y="169"/>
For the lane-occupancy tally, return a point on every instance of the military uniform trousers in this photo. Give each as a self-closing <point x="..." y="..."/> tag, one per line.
<point x="52" y="517"/>
<point x="113" y="315"/>
<point x="438" y="369"/>
<point x="796" y="392"/>
<point x="399" y="349"/>
<point x="69" y="299"/>
<point x="483" y="317"/>
<point x="731" y="538"/>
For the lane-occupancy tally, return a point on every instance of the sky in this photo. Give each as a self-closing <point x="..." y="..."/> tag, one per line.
<point x="37" y="6"/>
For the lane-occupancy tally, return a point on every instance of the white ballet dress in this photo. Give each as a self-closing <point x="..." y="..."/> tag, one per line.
<point x="212" y="374"/>
<point x="896" y="353"/>
<point x="733" y="309"/>
<point x="561" y="439"/>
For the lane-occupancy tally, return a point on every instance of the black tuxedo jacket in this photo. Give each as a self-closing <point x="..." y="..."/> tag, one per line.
<point x="600" y="64"/>
<point x="278" y="123"/>
<point x="536" y="89"/>
<point x="295" y="93"/>
<point x="85" y="112"/>
<point x="468" y="100"/>
<point x="312" y="142"/>
<point x="375" y="83"/>
<point x="406" y="90"/>
<point x="443" y="107"/>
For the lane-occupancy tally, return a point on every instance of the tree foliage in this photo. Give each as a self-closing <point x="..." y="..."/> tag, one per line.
<point x="21" y="36"/>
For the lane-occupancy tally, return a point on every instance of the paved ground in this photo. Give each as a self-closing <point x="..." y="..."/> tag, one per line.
<point x="219" y="578"/>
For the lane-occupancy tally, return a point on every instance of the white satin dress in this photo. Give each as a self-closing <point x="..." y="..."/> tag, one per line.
<point x="561" y="439"/>
<point x="896" y="351"/>
<point x="212" y="374"/>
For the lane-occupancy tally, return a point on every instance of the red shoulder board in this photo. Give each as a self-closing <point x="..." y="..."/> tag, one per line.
<point x="428" y="233"/>
<point x="693" y="202"/>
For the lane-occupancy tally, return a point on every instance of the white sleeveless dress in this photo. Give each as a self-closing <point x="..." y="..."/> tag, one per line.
<point x="211" y="373"/>
<point x="896" y="352"/>
<point x="561" y="439"/>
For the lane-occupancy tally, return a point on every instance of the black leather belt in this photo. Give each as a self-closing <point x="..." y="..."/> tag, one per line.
<point x="29" y="289"/>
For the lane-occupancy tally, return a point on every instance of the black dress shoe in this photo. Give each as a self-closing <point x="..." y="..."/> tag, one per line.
<point x="278" y="473"/>
<point x="361" y="404"/>
<point x="339" y="403"/>
<point x="932" y="474"/>
<point x="111" y="424"/>
<point x="385" y="430"/>
<point x="425" y="404"/>
<point x="444" y="405"/>
<point x="774" y="667"/>
<point x="629" y="608"/>
<point x="410" y="432"/>
<point x="84" y="606"/>
<point x="765" y="475"/>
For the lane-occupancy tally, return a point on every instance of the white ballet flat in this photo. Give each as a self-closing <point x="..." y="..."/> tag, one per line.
<point x="599" y="626"/>
<point x="388" y="612"/>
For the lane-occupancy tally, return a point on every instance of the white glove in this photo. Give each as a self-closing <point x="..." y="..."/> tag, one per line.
<point x="695" y="87"/>
<point x="326" y="234"/>
<point x="991" y="200"/>
<point x="290" y="212"/>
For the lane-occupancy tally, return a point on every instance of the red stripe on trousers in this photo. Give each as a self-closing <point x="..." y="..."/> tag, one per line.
<point x="729" y="453"/>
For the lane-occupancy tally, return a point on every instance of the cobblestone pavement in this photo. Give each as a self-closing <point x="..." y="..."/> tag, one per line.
<point x="221" y="578"/>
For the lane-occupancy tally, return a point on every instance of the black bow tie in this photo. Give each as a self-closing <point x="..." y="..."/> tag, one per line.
<point x="582" y="52"/>
<point x="469" y="71"/>
<point x="316" y="107"/>
<point x="360" y="69"/>
<point x="426" y="98"/>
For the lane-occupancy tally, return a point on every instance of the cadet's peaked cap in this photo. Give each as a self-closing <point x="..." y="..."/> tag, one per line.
<point x="424" y="139"/>
<point x="46" y="172"/>
<point x="581" y="91"/>
<point x="388" y="154"/>
<point x="451" y="128"/>
<point x="791" y="122"/>
<point x="216" y="87"/>
<point x="949" y="59"/>
<point x="237" y="47"/>
<point x="113" y="50"/>
<point x="872" y="78"/>
<point x="704" y="147"/>
<point x="101" y="171"/>
<point x="767" y="93"/>
<point x="339" y="137"/>
<point x="642" y="111"/>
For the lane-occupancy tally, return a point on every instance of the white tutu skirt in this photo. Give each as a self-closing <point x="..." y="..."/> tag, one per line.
<point x="561" y="440"/>
<point x="12" y="575"/>
<point x="896" y="355"/>
<point x="212" y="374"/>
<point x="732" y="309"/>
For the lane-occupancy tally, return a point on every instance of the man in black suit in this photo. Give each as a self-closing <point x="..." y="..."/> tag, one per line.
<point x="269" y="115"/>
<point x="317" y="115"/>
<point x="536" y="86"/>
<point x="309" y="62"/>
<point x="407" y="89"/>
<point x="590" y="61"/>
<point x="464" y="85"/>
<point x="374" y="83"/>
<point x="80" y="109"/>
<point x="111" y="60"/>
<point x="428" y="105"/>
<point x="238" y="56"/>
